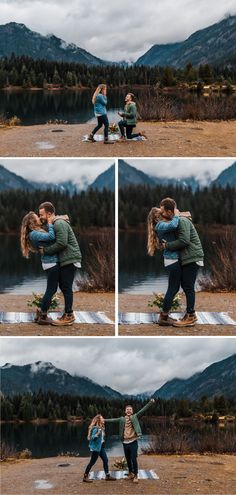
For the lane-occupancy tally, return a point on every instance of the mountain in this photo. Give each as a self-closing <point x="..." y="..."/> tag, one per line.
<point x="131" y="175"/>
<point x="9" y="180"/>
<point x="227" y="177"/>
<point x="215" y="44"/>
<point x="217" y="379"/>
<point x="45" y="376"/>
<point x="18" y="39"/>
<point x="106" y="180"/>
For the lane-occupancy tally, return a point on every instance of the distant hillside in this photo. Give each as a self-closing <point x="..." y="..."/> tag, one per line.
<point x="215" y="44"/>
<point x="227" y="177"/>
<point x="106" y="180"/>
<point x="131" y="175"/>
<point x="9" y="180"/>
<point x="217" y="379"/>
<point x="20" y="40"/>
<point x="45" y="376"/>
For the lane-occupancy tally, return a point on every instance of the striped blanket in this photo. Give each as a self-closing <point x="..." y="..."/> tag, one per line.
<point x="89" y="317"/>
<point x="119" y="475"/>
<point x="203" y="318"/>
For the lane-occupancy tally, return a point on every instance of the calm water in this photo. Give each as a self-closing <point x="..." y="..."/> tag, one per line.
<point x="38" y="107"/>
<point x="75" y="107"/>
<point x="21" y="276"/>
<point x="54" y="438"/>
<point x="142" y="274"/>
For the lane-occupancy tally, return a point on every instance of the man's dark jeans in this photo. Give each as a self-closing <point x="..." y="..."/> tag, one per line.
<point x="174" y="281"/>
<point x="131" y="453"/>
<point x="52" y="284"/>
<point x="102" y="120"/>
<point x="188" y="279"/>
<point x="66" y="279"/>
<point x="94" y="458"/>
<point x="129" y="128"/>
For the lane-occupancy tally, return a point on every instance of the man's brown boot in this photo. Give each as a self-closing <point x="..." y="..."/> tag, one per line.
<point x="86" y="479"/>
<point x="187" y="321"/>
<point x="65" y="319"/>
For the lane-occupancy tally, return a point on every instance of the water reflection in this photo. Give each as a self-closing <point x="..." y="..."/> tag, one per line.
<point x="21" y="276"/>
<point x="142" y="274"/>
<point x="53" y="439"/>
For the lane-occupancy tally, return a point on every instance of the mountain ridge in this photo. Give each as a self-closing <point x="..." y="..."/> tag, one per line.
<point x="219" y="378"/>
<point x="213" y="45"/>
<point x="19" y="39"/>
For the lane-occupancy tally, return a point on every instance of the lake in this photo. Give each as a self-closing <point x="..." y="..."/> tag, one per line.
<point x="52" y="439"/>
<point x="142" y="274"/>
<point x="21" y="276"/>
<point x="75" y="107"/>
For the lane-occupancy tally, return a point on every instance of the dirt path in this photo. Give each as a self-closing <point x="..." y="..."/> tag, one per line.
<point x="164" y="139"/>
<point x="179" y="475"/>
<point x="82" y="301"/>
<point x="205" y="301"/>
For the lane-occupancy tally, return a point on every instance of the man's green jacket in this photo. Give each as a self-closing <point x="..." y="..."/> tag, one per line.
<point x="134" y="421"/>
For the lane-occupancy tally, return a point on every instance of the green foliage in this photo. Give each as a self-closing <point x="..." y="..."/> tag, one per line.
<point x="210" y="205"/>
<point x="52" y="406"/>
<point x="27" y="72"/>
<point x="89" y="208"/>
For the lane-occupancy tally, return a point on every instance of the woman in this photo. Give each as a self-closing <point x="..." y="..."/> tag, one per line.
<point x="34" y="236"/>
<point x="99" y="101"/>
<point x="96" y="437"/>
<point x="160" y="229"/>
<point x="129" y="119"/>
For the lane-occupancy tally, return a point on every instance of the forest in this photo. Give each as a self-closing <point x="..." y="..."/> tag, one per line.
<point x="90" y="208"/>
<point x="27" y="73"/>
<point x="52" y="406"/>
<point x="208" y="206"/>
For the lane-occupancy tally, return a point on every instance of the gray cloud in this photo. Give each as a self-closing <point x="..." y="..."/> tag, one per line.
<point x="79" y="171"/>
<point x="201" y="168"/>
<point x="116" y="31"/>
<point x="128" y="365"/>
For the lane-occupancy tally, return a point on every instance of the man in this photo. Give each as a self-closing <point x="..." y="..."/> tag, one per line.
<point x="130" y="432"/>
<point x="191" y="255"/>
<point x="129" y="119"/>
<point x="67" y="249"/>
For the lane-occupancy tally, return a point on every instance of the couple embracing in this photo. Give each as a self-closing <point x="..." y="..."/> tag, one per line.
<point x="174" y="233"/>
<point x="129" y="432"/>
<point x="53" y="238"/>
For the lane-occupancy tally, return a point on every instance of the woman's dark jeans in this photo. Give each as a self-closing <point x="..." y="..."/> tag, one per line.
<point x="102" y="120"/>
<point x="52" y="284"/>
<point x="174" y="282"/>
<point x="66" y="279"/>
<point x="188" y="279"/>
<point x="129" y="128"/>
<point x="131" y="453"/>
<point x="94" y="458"/>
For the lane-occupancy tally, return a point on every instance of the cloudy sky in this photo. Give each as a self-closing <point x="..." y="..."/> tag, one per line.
<point x="116" y="30"/>
<point x="201" y="168"/>
<point x="79" y="171"/>
<point x="127" y="365"/>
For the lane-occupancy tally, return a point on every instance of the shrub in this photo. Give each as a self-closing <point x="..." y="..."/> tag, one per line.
<point x="222" y="265"/>
<point x="100" y="266"/>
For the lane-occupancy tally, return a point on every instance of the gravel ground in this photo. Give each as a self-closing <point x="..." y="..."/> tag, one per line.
<point x="179" y="475"/>
<point x="164" y="139"/>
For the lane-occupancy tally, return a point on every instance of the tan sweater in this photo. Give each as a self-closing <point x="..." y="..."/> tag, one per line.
<point x="129" y="431"/>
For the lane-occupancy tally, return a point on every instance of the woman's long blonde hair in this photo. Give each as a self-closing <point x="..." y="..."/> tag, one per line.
<point x="27" y="225"/>
<point x="153" y="244"/>
<point x="97" y="91"/>
<point x="96" y="421"/>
